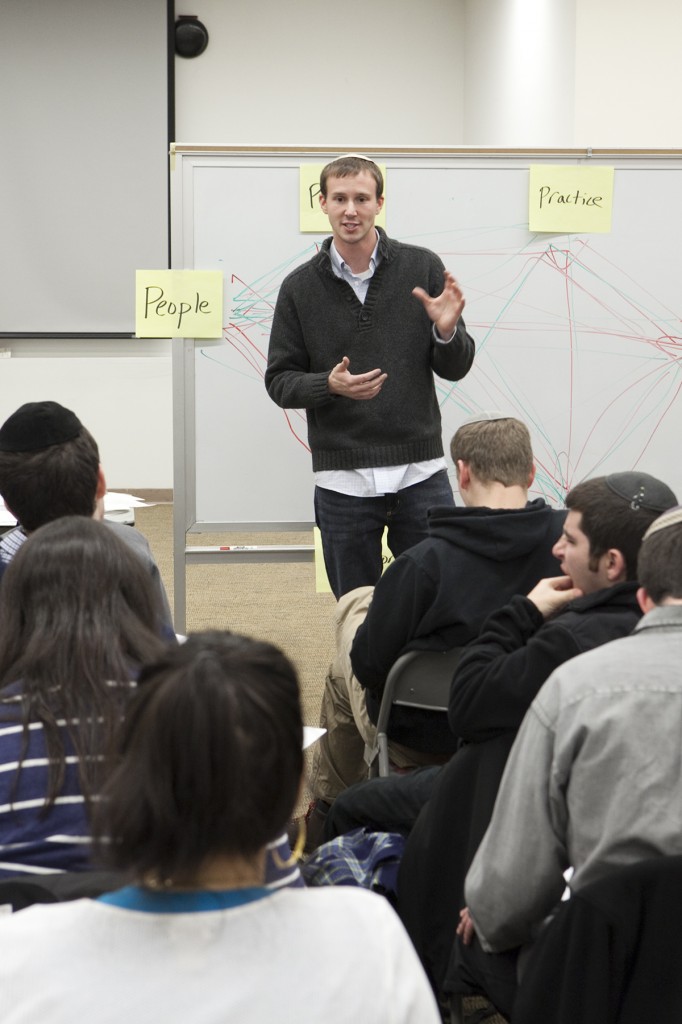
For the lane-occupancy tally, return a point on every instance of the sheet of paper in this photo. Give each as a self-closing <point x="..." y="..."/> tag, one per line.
<point x="179" y="303"/>
<point x="567" y="200"/>
<point x="311" y="735"/>
<point x="115" y="500"/>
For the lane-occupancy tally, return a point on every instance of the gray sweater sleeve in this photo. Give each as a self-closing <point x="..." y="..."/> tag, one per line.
<point x="288" y="378"/>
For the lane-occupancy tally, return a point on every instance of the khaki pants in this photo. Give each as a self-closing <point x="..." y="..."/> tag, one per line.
<point x="338" y="760"/>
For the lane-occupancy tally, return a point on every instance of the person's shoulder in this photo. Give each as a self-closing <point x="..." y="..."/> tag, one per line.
<point x="558" y="515"/>
<point x="342" y="902"/>
<point x="130" y="535"/>
<point x="593" y="670"/>
<point x="607" y="603"/>
<point x="595" y="619"/>
<point x="43" y="921"/>
<point x="392" y="249"/>
<point x="320" y="260"/>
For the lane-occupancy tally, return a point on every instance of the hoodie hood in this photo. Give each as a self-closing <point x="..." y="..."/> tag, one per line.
<point x="515" y="532"/>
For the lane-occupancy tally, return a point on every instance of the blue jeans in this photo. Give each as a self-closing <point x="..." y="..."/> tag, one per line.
<point x="352" y="528"/>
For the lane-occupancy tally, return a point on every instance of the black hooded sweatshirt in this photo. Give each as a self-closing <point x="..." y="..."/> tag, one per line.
<point x="437" y="595"/>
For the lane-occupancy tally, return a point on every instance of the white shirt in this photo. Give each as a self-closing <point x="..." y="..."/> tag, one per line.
<point x="333" y="954"/>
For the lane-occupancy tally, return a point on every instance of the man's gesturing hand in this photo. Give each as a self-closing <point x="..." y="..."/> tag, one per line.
<point x="360" y="386"/>
<point x="443" y="310"/>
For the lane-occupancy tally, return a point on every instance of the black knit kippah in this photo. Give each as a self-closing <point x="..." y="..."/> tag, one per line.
<point x="642" y="491"/>
<point x="38" y="425"/>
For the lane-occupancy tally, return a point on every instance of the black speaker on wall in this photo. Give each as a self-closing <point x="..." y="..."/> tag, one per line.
<point x="191" y="36"/>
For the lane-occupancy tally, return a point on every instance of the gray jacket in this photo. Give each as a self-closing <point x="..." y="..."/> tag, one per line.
<point x="593" y="780"/>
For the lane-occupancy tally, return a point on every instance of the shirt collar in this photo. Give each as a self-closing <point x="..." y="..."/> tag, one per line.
<point x="341" y="265"/>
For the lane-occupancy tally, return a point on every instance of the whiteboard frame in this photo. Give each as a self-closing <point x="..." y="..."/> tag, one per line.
<point x="183" y="158"/>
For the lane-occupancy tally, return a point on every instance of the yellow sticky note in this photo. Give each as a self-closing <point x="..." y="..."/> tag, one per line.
<point x="321" y="579"/>
<point x="178" y="303"/>
<point x="312" y="218"/>
<point x="569" y="199"/>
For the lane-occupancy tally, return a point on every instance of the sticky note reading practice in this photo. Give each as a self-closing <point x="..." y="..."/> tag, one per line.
<point x="570" y="199"/>
<point x="179" y="304"/>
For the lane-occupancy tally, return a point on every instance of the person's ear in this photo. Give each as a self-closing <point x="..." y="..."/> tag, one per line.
<point x="463" y="474"/>
<point x="531" y="477"/>
<point x="101" y="484"/>
<point x="644" y="600"/>
<point x="616" y="569"/>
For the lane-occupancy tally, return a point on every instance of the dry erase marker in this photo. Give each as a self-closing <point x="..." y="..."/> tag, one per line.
<point x="240" y="547"/>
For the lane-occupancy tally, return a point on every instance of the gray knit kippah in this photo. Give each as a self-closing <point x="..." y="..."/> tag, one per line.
<point x="641" y="490"/>
<point x="38" y="425"/>
<point x="673" y="517"/>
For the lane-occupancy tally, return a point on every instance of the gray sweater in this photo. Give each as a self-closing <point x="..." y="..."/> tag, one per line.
<point x="319" y="319"/>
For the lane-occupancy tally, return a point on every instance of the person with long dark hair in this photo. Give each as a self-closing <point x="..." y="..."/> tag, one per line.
<point x="78" y="616"/>
<point x="211" y="766"/>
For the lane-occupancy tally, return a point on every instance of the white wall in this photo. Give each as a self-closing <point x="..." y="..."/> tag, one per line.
<point x="519" y="73"/>
<point x="628" y="74"/>
<point x="124" y="400"/>
<point x="295" y="71"/>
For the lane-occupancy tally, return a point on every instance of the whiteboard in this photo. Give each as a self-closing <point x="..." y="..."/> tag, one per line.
<point x="578" y="335"/>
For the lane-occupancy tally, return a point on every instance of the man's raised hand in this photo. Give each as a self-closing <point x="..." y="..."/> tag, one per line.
<point x="443" y="310"/>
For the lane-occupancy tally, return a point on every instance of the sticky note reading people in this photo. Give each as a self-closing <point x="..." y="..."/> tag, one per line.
<point x="179" y="304"/>
<point x="570" y="199"/>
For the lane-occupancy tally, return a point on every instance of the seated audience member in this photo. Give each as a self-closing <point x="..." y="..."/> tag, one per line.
<point x="497" y="678"/>
<point x="49" y="468"/>
<point x="432" y="598"/>
<point x="78" y="616"/>
<point x="196" y="936"/>
<point x="593" y="779"/>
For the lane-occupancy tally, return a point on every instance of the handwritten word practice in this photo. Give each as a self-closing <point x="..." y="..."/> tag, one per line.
<point x="570" y="199"/>
<point x="179" y="303"/>
<point x="548" y="195"/>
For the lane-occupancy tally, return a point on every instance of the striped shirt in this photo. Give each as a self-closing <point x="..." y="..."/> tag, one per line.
<point x="33" y="840"/>
<point x="36" y="842"/>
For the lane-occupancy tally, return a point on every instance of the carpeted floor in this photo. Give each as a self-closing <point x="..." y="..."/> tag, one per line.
<point x="272" y="602"/>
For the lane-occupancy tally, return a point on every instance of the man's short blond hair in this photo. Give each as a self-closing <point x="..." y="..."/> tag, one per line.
<point x="496" y="451"/>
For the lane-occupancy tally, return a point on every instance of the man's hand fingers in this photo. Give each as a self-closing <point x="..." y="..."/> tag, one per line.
<point x="368" y="388"/>
<point x="355" y="385"/>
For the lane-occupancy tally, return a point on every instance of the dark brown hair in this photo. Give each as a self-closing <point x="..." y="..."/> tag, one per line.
<point x="610" y="521"/>
<point x="78" y="614"/>
<point x="50" y="483"/>
<point x="211" y="758"/>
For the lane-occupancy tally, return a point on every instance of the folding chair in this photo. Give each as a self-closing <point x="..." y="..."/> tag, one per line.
<point x="418" y="679"/>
